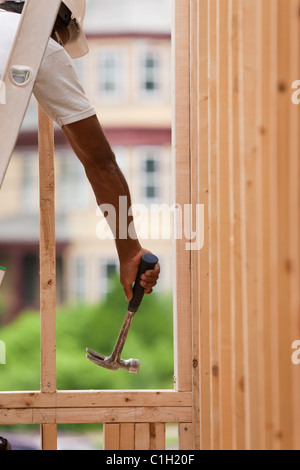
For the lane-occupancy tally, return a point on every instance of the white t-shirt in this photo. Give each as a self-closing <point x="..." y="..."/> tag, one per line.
<point x="57" y="87"/>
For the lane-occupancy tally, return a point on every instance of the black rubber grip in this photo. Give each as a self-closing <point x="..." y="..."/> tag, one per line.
<point x="148" y="263"/>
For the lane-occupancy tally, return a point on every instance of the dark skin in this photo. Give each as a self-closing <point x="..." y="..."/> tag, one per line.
<point x="89" y="143"/>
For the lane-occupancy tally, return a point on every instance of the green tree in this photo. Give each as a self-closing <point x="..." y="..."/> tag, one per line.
<point x="96" y="326"/>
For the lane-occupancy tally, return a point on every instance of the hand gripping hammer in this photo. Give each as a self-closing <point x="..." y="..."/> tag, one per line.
<point x="114" y="361"/>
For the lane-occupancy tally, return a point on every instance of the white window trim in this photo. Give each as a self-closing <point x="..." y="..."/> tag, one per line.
<point x="121" y="93"/>
<point x="143" y="176"/>
<point x="141" y="94"/>
<point x="77" y="195"/>
<point x="103" y="281"/>
<point x="30" y="192"/>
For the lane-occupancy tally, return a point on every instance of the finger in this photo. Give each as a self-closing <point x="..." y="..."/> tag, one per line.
<point x="149" y="281"/>
<point x="128" y="292"/>
<point x="155" y="270"/>
<point x="148" y="285"/>
<point x="150" y="275"/>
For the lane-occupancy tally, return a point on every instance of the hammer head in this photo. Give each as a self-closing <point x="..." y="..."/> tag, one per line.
<point x="131" y="365"/>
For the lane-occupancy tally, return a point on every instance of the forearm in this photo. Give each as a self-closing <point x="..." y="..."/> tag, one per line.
<point x="108" y="183"/>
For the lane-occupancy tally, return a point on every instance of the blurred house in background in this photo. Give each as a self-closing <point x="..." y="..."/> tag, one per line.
<point x="127" y="76"/>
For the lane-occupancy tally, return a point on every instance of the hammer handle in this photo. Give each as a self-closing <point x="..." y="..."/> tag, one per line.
<point x="148" y="263"/>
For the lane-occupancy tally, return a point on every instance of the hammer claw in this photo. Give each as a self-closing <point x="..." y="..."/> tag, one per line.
<point x="94" y="354"/>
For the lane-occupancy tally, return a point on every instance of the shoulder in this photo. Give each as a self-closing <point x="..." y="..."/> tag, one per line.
<point x="52" y="48"/>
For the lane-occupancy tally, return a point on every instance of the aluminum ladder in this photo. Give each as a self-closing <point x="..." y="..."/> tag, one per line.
<point x="16" y="86"/>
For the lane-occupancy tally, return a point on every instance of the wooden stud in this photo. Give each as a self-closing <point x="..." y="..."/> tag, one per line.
<point x="238" y="372"/>
<point x="185" y="436"/>
<point x="248" y="160"/>
<point x="265" y="315"/>
<point x="48" y="437"/>
<point x="181" y="145"/>
<point x="274" y="286"/>
<point x="195" y="254"/>
<point x="142" y="436"/>
<point x="47" y="254"/>
<point x="223" y="203"/>
<point x="111" y="437"/>
<point x="284" y="435"/>
<point x="47" y="269"/>
<point x="127" y="436"/>
<point x="213" y="231"/>
<point x="294" y="222"/>
<point x="200" y="259"/>
<point x="157" y="436"/>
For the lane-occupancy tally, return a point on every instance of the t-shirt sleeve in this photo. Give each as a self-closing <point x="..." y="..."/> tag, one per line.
<point x="59" y="92"/>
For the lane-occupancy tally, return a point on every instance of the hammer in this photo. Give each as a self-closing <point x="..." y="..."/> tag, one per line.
<point x="114" y="361"/>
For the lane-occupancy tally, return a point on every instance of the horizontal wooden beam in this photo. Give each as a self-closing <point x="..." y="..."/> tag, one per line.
<point x="143" y="414"/>
<point x="95" y="399"/>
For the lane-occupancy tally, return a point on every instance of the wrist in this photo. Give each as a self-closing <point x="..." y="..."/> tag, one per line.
<point x="127" y="249"/>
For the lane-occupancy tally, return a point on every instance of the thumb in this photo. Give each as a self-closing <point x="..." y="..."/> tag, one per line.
<point x="128" y="292"/>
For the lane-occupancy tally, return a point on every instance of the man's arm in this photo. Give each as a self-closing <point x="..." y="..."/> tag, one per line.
<point x="93" y="150"/>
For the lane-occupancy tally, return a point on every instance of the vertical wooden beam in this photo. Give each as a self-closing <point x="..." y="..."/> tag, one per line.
<point x="284" y="435"/>
<point x="48" y="437"/>
<point x="186" y="436"/>
<point x="294" y="222"/>
<point x="127" y="436"/>
<point x="213" y="226"/>
<point x="47" y="264"/>
<point x="259" y="175"/>
<point x="157" y="436"/>
<point x="195" y="254"/>
<point x="274" y="286"/>
<point x="47" y="254"/>
<point x="200" y="261"/>
<point x="238" y="377"/>
<point x="249" y="160"/>
<point x="265" y="129"/>
<point x="142" y="436"/>
<point x="111" y="436"/>
<point x="181" y="146"/>
<point x="223" y="195"/>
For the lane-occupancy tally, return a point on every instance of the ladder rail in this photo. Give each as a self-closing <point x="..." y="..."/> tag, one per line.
<point x="28" y="49"/>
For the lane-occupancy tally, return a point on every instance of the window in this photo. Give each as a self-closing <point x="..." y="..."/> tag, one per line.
<point x="121" y="154"/>
<point x="30" y="183"/>
<point x="80" y="279"/>
<point x="30" y="121"/>
<point x="111" y="74"/>
<point x="73" y="190"/>
<point x="150" y="68"/>
<point x="150" y="174"/>
<point x="31" y="286"/>
<point x="108" y="270"/>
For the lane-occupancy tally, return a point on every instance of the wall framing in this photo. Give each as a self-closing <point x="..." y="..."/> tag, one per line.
<point x="237" y="300"/>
